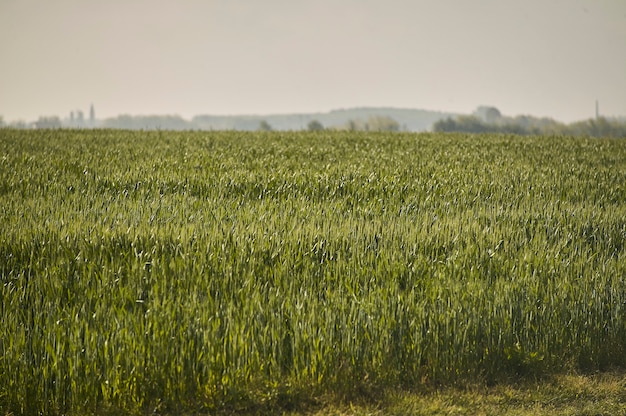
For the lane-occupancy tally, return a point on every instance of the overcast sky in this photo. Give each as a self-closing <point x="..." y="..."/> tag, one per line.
<point x="540" y="57"/>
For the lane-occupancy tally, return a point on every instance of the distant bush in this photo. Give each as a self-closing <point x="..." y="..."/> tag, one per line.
<point x="315" y="125"/>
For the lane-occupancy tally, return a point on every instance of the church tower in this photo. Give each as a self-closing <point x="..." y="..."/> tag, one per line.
<point x="92" y="116"/>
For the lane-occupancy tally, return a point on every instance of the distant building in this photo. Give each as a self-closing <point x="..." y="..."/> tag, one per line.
<point x="92" y="116"/>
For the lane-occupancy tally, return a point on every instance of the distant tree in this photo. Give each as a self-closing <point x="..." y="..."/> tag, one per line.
<point x="1" y="121"/>
<point x="265" y="126"/>
<point x="492" y="115"/>
<point x="382" y="123"/>
<point x="373" y="123"/>
<point x="471" y="124"/>
<point x="467" y="124"/>
<point x="356" y="125"/>
<point x="80" y="118"/>
<point x="19" y="124"/>
<point x="315" y="125"/>
<point x="444" y="125"/>
<point x="489" y="115"/>
<point x="53" y="122"/>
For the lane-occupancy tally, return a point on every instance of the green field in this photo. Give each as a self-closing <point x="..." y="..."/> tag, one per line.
<point x="212" y="271"/>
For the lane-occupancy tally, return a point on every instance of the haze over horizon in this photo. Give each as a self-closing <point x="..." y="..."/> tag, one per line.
<point x="551" y="58"/>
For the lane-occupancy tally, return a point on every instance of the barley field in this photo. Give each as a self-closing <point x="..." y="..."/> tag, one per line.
<point x="147" y="272"/>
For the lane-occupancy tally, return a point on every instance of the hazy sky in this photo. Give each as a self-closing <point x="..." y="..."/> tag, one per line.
<point x="541" y="57"/>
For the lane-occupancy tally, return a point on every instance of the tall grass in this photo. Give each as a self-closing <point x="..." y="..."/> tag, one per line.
<point x="173" y="271"/>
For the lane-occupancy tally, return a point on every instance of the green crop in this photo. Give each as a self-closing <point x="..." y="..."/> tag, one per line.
<point x="197" y="270"/>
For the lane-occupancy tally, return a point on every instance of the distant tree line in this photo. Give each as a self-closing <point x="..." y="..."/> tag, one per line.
<point x="52" y="122"/>
<point x="483" y="120"/>
<point x="373" y="123"/>
<point x="167" y="122"/>
<point x="489" y="120"/>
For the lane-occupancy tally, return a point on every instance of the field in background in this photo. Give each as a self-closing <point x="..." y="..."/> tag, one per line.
<point x="184" y="271"/>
